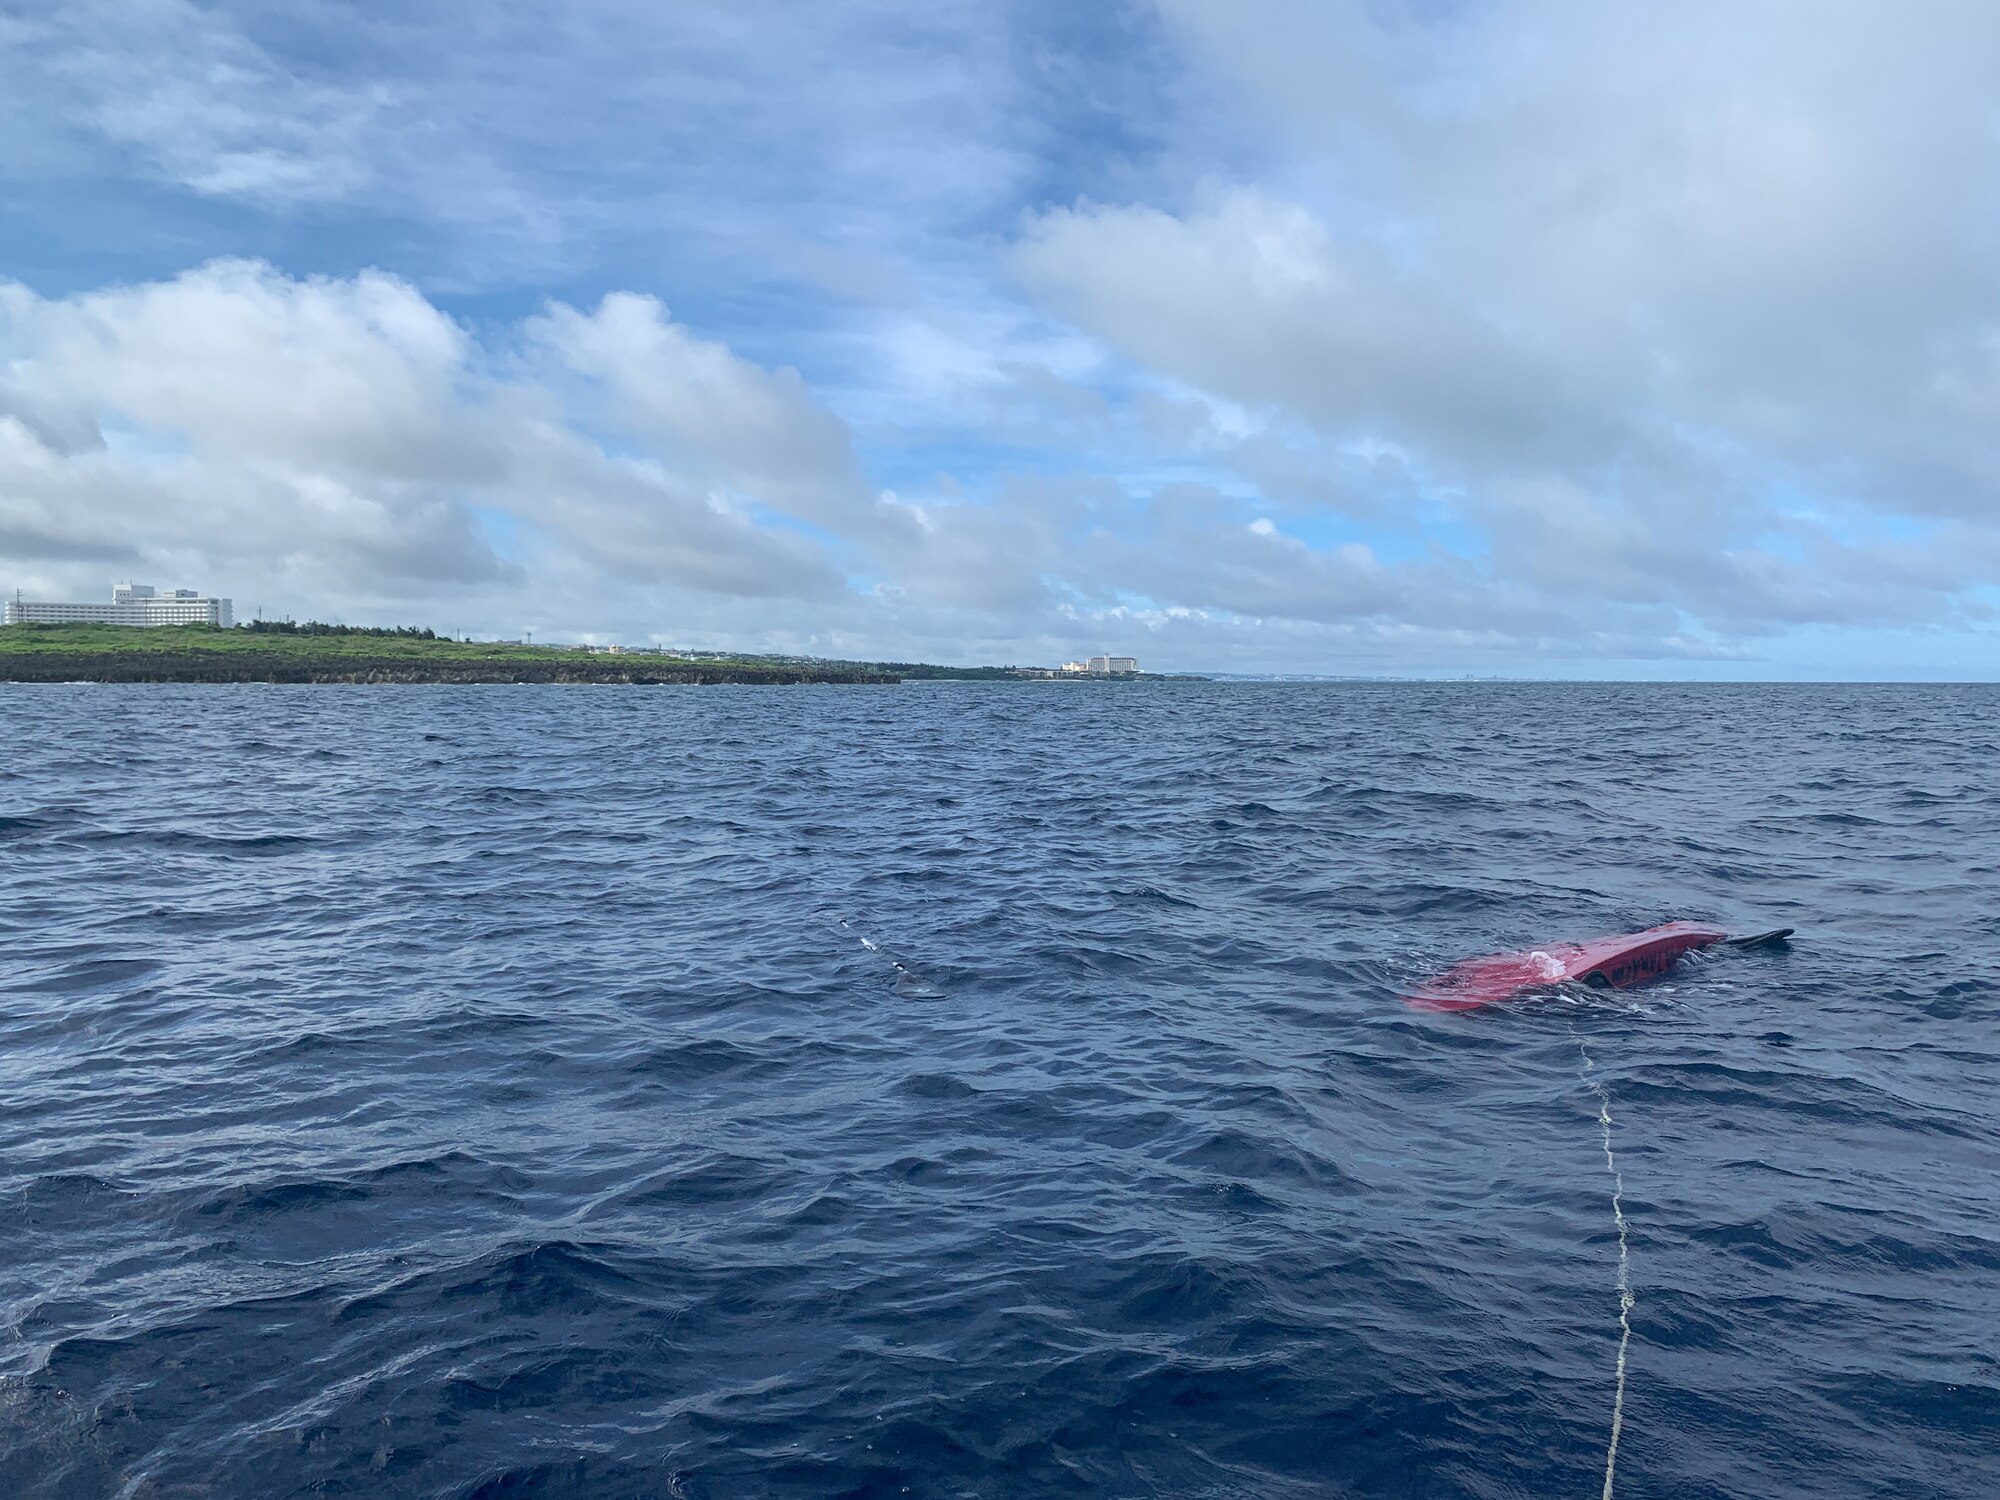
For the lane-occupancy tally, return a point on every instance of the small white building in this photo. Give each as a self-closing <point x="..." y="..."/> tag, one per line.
<point x="1113" y="666"/>
<point x="131" y="604"/>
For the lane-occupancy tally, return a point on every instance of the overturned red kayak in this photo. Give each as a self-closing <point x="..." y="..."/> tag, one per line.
<point x="1613" y="962"/>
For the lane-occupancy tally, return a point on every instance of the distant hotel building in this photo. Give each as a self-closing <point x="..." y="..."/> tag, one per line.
<point x="131" y="604"/>
<point x="1105" y="666"/>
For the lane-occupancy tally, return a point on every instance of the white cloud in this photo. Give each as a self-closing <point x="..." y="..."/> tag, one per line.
<point x="344" y="435"/>
<point x="527" y="137"/>
<point x="191" y="98"/>
<point x="717" y="413"/>
<point x="246" y="365"/>
<point x="1610" y="284"/>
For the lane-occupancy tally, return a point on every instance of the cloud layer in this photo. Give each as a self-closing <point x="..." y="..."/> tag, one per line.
<point x="1531" y="336"/>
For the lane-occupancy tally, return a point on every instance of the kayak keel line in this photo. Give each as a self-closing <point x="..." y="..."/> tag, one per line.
<point x="1603" y="963"/>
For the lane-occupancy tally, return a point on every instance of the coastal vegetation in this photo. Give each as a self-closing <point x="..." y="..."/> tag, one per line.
<point x="285" y="651"/>
<point x="206" y="653"/>
<point x="319" y="627"/>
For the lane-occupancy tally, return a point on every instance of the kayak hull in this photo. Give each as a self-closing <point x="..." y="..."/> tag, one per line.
<point x="1608" y="962"/>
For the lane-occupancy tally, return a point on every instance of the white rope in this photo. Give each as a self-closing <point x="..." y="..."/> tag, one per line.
<point x="1624" y="1279"/>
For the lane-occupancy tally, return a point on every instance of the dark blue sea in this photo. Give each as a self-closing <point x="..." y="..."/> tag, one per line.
<point x="992" y="1090"/>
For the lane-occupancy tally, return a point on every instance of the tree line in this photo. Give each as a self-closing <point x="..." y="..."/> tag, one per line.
<point x="317" y="627"/>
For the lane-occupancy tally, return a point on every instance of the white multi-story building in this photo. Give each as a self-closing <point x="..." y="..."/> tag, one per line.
<point x="131" y="604"/>
<point x="1113" y="666"/>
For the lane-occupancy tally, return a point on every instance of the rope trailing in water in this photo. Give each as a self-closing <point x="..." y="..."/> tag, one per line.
<point x="1625" y="1298"/>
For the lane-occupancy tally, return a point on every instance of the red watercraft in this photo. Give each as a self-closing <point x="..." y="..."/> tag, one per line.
<point x="1607" y="963"/>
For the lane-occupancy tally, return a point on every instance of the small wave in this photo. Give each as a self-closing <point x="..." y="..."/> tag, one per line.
<point x="686" y="1062"/>
<point x="178" y="839"/>
<point x="718" y="1178"/>
<point x="941" y="1086"/>
<point x="27" y="825"/>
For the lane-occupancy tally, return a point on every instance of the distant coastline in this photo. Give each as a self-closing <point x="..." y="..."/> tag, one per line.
<point x="337" y="654"/>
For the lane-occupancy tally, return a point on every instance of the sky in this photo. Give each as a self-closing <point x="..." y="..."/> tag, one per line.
<point x="1585" y="338"/>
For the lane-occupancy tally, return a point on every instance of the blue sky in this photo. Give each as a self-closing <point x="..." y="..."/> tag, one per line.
<point x="1540" y="337"/>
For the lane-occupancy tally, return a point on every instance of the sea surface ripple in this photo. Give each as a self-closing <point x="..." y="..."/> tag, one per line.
<point x="991" y="1090"/>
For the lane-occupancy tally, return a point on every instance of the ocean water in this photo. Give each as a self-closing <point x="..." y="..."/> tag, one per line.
<point x="992" y="1090"/>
